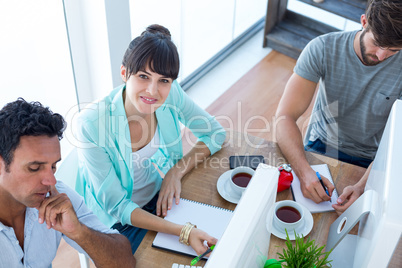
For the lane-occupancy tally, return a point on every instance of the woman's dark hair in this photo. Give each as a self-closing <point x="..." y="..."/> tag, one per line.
<point x="384" y="19"/>
<point x="154" y="49"/>
<point x="20" y="118"/>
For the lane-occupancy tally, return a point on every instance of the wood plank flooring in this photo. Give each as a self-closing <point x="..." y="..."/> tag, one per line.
<point x="249" y="105"/>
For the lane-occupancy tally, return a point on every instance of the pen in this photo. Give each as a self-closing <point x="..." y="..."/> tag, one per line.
<point x="197" y="259"/>
<point x="323" y="186"/>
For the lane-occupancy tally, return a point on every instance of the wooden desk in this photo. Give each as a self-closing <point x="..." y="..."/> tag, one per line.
<point x="200" y="185"/>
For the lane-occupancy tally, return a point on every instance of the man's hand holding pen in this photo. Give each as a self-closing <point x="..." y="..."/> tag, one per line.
<point x="322" y="184"/>
<point x="314" y="188"/>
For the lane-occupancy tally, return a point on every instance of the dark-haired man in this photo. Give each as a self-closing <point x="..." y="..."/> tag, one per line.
<point x="359" y="75"/>
<point x="36" y="210"/>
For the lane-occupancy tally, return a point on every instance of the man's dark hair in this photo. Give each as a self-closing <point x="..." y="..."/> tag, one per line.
<point x="20" y="118"/>
<point x="384" y="19"/>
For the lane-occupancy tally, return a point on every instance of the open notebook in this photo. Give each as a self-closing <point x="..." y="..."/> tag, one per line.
<point x="210" y="219"/>
<point x="308" y="203"/>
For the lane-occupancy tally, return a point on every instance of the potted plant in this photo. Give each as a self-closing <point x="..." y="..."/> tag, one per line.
<point x="303" y="254"/>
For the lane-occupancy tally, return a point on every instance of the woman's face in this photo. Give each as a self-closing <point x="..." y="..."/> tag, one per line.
<point x="146" y="91"/>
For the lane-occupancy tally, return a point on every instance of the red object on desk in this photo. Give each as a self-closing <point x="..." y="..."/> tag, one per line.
<point x="285" y="177"/>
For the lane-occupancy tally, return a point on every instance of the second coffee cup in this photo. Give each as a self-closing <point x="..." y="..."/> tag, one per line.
<point x="240" y="178"/>
<point x="288" y="215"/>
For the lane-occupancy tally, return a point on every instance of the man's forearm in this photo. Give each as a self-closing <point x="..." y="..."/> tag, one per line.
<point x="106" y="250"/>
<point x="291" y="145"/>
<point x="362" y="182"/>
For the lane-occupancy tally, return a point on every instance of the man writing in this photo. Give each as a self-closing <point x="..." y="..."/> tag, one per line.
<point x="359" y="75"/>
<point x="36" y="210"/>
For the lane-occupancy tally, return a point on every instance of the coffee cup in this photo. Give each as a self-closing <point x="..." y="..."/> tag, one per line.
<point x="288" y="215"/>
<point x="240" y="178"/>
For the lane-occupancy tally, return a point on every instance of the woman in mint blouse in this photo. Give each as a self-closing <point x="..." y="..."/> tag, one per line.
<point x="133" y="134"/>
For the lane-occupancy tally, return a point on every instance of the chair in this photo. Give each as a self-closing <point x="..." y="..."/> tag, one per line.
<point x="67" y="173"/>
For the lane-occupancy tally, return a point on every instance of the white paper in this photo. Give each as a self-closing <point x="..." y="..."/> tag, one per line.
<point x="308" y="203"/>
<point x="210" y="219"/>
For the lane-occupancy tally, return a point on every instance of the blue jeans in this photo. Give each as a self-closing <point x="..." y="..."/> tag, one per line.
<point x="318" y="146"/>
<point x="135" y="234"/>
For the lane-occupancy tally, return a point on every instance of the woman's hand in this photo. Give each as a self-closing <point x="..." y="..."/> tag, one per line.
<point x="348" y="197"/>
<point x="351" y="193"/>
<point x="171" y="184"/>
<point x="197" y="238"/>
<point x="171" y="188"/>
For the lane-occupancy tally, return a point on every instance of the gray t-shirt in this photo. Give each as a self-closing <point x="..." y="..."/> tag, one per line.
<point x="353" y="101"/>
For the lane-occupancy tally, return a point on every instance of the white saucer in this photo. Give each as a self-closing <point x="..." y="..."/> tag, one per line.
<point x="304" y="230"/>
<point x="224" y="188"/>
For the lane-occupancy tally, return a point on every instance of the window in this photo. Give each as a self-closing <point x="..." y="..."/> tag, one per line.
<point x="35" y="59"/>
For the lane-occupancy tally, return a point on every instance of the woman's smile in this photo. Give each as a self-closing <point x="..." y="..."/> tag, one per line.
<point x="148" y="100"/>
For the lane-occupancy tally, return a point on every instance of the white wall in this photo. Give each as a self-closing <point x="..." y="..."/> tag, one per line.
<point x="34" y="56"/>
<point x="207" y="28"/>
<point x="87" y="29"/>
<point x="200" y="29"/>
<point x="247" y="13"/>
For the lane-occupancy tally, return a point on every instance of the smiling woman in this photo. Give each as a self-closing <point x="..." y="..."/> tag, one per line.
<point x="132" y="135"/>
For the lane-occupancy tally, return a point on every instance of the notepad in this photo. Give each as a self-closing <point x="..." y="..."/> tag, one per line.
<point x="308" y="203"/>
<point x="210" y="219"/>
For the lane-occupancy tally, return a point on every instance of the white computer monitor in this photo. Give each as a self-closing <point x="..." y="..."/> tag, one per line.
<point x="245" y="242"/>
<point x="379" y="209"/>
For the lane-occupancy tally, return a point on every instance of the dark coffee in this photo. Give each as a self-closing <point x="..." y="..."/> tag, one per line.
<point x="288" y="214"/>
<point x="241" y="179"/>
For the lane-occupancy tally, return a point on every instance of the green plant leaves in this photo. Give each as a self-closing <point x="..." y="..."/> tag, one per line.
<point x="304" y="254"/>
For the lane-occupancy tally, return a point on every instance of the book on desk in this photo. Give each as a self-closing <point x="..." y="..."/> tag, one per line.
<point x="210" y="219"/>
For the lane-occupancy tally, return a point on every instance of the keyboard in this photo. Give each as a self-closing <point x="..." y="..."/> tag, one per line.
<point x="176" y="265"/>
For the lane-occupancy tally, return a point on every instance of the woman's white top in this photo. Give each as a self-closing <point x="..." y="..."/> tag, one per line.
<point x="147" y="180"/>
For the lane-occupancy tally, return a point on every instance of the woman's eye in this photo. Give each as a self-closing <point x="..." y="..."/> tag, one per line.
<point x="143" y="76"/>
<point x="164" y="81"/>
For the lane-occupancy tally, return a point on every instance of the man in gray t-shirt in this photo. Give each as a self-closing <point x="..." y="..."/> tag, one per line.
<point x="359" y="76"/>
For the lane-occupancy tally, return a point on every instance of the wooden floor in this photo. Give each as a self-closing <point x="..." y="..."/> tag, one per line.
<point x="249" y="105"/>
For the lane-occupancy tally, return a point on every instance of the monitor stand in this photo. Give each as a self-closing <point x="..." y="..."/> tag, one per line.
<point x="343" y="255"/>
<point x="344" y="244"/>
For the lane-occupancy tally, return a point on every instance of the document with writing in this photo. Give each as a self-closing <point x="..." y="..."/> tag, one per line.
<point x="210" y="219"/>
<point x="308" y="203"/>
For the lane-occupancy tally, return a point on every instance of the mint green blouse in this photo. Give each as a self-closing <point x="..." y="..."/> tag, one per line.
<point x="105" y="177"/>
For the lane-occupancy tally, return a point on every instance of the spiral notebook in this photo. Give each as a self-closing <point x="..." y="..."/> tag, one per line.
<point x="210" y="219"/>
<point x="308" y="203"/>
